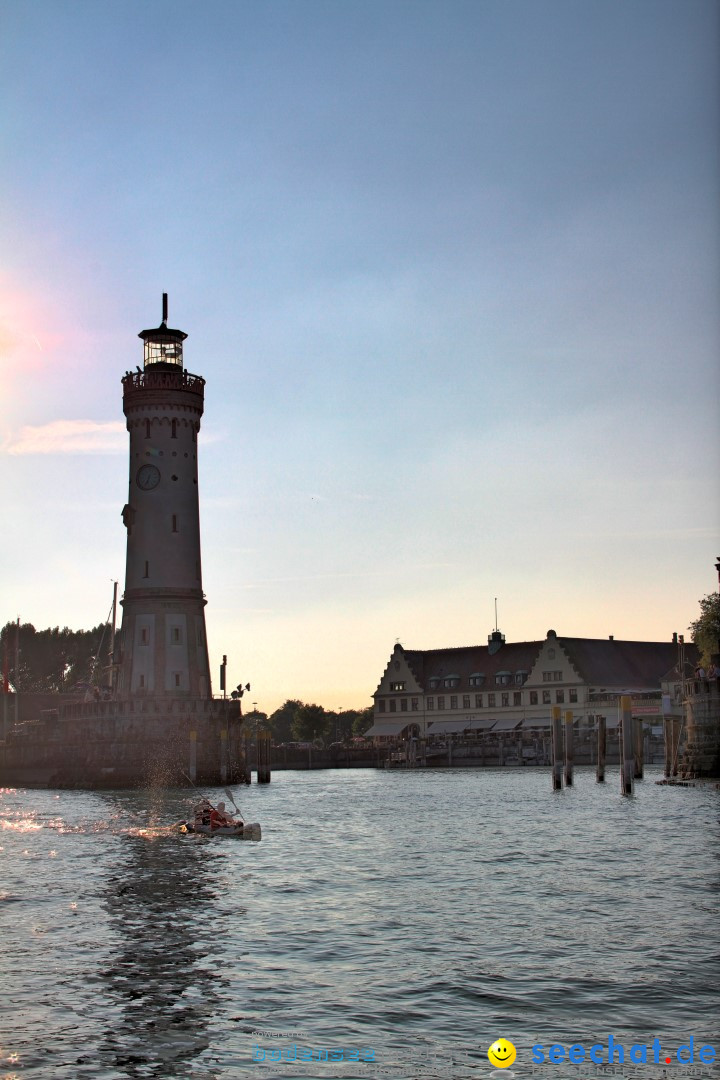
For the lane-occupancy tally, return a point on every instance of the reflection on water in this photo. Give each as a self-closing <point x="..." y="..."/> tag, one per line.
<point x="164" y="978"/>
<point x="424" y="915"/>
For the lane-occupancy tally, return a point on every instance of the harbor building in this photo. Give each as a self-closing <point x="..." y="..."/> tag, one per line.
<point x="508" y="689"/>
<point x="156" y="720"/>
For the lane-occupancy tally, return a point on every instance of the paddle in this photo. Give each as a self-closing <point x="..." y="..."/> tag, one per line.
<point x="238" y="811"/>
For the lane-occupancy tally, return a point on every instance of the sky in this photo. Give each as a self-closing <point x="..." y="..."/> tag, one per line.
<point x="451" y="271"/>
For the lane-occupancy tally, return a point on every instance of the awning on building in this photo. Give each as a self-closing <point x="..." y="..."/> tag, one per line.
<point x="388" y="727"/>
<point x="451" y="727"/>
<point x="536" y="722"/>
<point x="447" y="727"/>
<point x="506" y="725"/>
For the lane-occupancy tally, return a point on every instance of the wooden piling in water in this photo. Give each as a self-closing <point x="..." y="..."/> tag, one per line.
<point x="263" y="757"/>
<point x="568" y="748"/>
<point x="627" y="754"/>
<point x="668" y="735"/>
<point x="676" y="732"/>
<point x="601" y="749"/>
<point x="556" y="748"/>
<point x="639" y="756"/>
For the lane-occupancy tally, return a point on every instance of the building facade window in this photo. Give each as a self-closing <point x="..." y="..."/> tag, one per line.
<point x="478" y="701"/>
<point x="176" y="636"/>
<point x="403" y="704"/>
<point x="441" y="702"/>
<point x="533" y="697"/>
<point x="397" y="685"/>
<point x="573" y="696"/>
<point x="414" y="704"/>
<point x="466" y="701"/>
<point x="453" y="701"/>
<point x="144" y="636"/>
<point x="381" y="703"/>
<point x="393" y="705"/>
<point x="504" y="700"/>
<point x="491" y="701"/>
<point x="477" y="680"/>
<point x="451" y="682"/>
<point x="517" y="698"/>
<point x="546" y="697"/>
<point x="552" y="676"/>
<point x="433" y="684"/>
<point x="503" y="678"/>
<point x="560" y="696"/>
<point x="431" y="703"/>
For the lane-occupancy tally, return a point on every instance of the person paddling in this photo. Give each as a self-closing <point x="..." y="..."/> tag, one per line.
<point x="219" y="817"/>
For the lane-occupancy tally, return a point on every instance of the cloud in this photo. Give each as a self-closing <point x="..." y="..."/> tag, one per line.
<point x="69" y="437"/>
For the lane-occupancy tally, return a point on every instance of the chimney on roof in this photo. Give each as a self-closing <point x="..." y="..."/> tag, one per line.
<point x="496" y="640"/>
<point x="611" y="637"/>
<point x="674" y="640"/>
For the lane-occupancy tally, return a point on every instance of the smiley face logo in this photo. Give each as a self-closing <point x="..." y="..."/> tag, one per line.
<point x="502" y="1053"/>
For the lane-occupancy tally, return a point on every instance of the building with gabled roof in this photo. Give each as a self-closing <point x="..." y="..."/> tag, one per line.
<point x="512" y="686"/>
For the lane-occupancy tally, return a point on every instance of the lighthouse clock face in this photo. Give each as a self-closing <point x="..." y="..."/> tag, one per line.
<point x="147" y="477"/>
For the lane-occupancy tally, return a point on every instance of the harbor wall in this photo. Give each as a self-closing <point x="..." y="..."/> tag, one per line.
<point x="114" y="744"/>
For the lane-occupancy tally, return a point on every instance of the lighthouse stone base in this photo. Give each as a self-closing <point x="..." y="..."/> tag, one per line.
<point x="138" y="742"/>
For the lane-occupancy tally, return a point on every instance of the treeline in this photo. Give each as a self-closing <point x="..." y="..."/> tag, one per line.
<point x="54" y="660"/>
<point x="298" y="721"/>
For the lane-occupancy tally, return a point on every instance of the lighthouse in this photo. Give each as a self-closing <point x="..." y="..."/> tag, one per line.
<point x="163" y="644"/>
<point x="159" y="723"/>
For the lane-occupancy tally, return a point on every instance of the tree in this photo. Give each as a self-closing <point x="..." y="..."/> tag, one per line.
<point x="55" y="660"/>
<point x="312" y="722"/>
<point x="705" y="631"/>
<point x="282" y="720"/>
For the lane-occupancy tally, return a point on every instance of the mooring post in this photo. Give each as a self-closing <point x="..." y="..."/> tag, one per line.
<point x="556" y="748"/>
<point x="627" y="755"/>
<point x="568" y="748"/>
<point x="192" y="768"/>
<point x="263" y="764"/>
<point x="601" y="749"/>
<point x="639" y="762"/>
<point x="668" y="733"/>
<point x="676" y="730"/>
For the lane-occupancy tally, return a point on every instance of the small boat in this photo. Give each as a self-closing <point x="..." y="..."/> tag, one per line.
<point x="247" y="831"/>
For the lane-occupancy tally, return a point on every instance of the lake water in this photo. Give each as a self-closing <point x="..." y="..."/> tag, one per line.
<point x="406" y="918"/>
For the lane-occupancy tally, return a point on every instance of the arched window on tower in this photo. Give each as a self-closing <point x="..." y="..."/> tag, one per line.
<point x="174" y="429"/>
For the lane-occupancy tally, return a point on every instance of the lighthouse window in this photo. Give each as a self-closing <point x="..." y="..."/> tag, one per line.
<point x="174" y="429"/>
<point x="144" y="636"/>
<point x="147" y="569"/>
<point x="147" y="429"/>
<point x="174" y="519"/>
<point x="142" y="681"/>
<point x="177" y="678"/>
<point x="176" y="635"/>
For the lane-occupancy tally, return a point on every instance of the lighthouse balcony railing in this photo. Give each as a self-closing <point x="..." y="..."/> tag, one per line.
<point x="162" y="380"/>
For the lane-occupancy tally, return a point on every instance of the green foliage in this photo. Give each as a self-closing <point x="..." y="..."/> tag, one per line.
<point x="311" y="722"/>
<point x="55" y="660"/>
<point x="282" y="720"/>
<point x="705" y="630"/>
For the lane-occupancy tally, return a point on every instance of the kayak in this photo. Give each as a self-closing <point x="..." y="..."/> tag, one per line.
<point x="248" y="831"/>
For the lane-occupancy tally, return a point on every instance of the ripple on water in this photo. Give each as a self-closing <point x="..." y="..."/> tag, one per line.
<point x="381" y="909"/>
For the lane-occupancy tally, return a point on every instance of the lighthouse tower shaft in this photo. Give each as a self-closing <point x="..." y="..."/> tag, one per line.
<point x="163" y="651"/>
